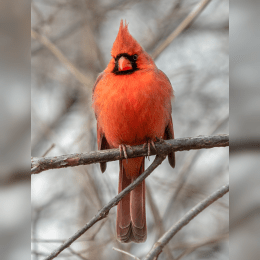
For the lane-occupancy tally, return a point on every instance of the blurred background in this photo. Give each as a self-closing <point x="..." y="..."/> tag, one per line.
<point x="15" y="130"/>
<point x="70" y="45"/>
<point x="244" y="130"/>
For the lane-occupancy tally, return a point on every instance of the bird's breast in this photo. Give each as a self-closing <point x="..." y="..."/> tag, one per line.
<point x="132" y="108"/>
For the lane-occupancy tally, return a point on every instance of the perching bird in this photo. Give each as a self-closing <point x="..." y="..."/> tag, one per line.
<point x="132" y="103"/>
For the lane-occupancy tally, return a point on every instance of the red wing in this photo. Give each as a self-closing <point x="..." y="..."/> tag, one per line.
<point x="101" y="139"/>
<point x="100" y="76"/>
<point x="102" y="145"/>
<point x="169" y="134"/>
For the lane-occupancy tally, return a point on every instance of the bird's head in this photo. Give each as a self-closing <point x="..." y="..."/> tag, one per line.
<point x="127" y="54"/>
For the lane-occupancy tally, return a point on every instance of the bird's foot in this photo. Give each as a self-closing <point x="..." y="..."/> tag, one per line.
<point x="149" y="143"/>
<point x="159" y="139"/>
<point x="122" y="149"/>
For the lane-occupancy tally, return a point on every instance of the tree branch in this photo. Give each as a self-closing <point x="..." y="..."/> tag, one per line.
<point x="188" y="20"/>
<point x="105" y="210"/>
<point x="192" y="247"/>
<point x="126" y="253"/>
<point x="162" y="148"/>
<point x="61" y="57"/>
<point x="159" y="245"/>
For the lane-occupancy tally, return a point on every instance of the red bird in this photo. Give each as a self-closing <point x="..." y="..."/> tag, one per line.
<point x="132" y="103"/>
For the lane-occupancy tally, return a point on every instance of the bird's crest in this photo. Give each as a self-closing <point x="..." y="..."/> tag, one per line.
<point x="124" y="42"/>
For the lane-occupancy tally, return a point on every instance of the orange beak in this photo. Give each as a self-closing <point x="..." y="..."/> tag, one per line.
<point x="124" y="64"/>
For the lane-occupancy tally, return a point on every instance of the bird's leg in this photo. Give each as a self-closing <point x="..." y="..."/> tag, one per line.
<point x="152" y="142"/>
<point x="148" y="143"/>
<point x="122" y="148"/>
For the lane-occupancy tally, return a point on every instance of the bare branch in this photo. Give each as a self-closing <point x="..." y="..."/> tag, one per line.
<point x="162" y="148"/>
<point x="73" y="70"/>
<point x="48" y="150"/>
<point x="185" y="170"/>
<point x="15" y="176"/>
<point x="126" y="253"/>
<point x="157" y="219"/>
<point x="105" y="210"/>
<point x="192" y="247"/>
<point x="245" y="144"/>
<point x="77" y="254"/>
<point x="159" y="245"/>
<point x="193" y="14"/>
<point x="69" y="31"/>
<point x="91" y="238"/>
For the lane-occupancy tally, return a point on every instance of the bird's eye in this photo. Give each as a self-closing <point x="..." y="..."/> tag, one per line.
<point x="135" y="57"/>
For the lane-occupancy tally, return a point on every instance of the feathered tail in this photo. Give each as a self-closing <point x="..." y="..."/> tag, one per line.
<point x="131" y="217"/>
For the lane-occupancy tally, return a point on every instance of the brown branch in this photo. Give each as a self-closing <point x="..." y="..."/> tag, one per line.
<point x="77" y="254"/>
<point x="105" y="210"/>
<point x="244" y="217"/>
<point x="61" y="57"/>
<point x="91" y="238"/>
<point x="159" y="245"/>
<point x="99" y="15"/>
<point x="126" y="253"/>
<point x="67" y="32"/>
<point x="245" y="144"/>
<point x="162" y="148"/>
<point x="193" y="14"/>
<point x="185" y="170"/>
<point x="157" y="219"/>
<point x="48" y="150"/>
<point x="14" y="176"/>
<point x="192" y="247"/>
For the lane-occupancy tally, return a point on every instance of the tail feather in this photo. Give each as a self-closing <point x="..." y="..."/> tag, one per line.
<point x="131" y="217"/>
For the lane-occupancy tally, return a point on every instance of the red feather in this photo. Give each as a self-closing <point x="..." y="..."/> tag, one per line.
<point x="132" y="106"/>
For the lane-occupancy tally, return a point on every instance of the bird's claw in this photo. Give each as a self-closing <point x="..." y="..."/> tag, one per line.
<point x="159" y="139"/>
<point x="148" y="143"/>
<point x="122" y="149"/>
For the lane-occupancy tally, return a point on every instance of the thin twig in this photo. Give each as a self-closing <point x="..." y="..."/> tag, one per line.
<point x="48" y="150"/>
<point x="193" y="14"/>
<point x="105" y="210"/>
<point x="159" y="245"/>
<point x="45" y="254"/>
<point x="91" y="238"/>
<point x="192" y="247"/>
<point x="162" y="148"/>
<point x="77" y="254"/>
<point x="61" y="57"/>
<point x="157" y="219"/>
<point x="185" y="170"/>
<point x="67" y="32"/>
<point x="97" y="246"/>
<point x="126" y="253"/>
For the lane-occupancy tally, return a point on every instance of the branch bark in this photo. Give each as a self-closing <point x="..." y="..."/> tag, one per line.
<point x="159" y="245"/>
<point x="105" y="210"/>
<point x="40" y="164"/>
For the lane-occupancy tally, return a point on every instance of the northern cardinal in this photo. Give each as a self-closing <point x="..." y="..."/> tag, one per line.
<point x="132" y="104"/>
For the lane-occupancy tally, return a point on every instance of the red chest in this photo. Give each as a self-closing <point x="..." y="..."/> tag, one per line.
<point x="132" y="108"/>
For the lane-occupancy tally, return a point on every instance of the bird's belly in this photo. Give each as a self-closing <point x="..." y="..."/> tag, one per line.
<point x="134" y="119"/>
